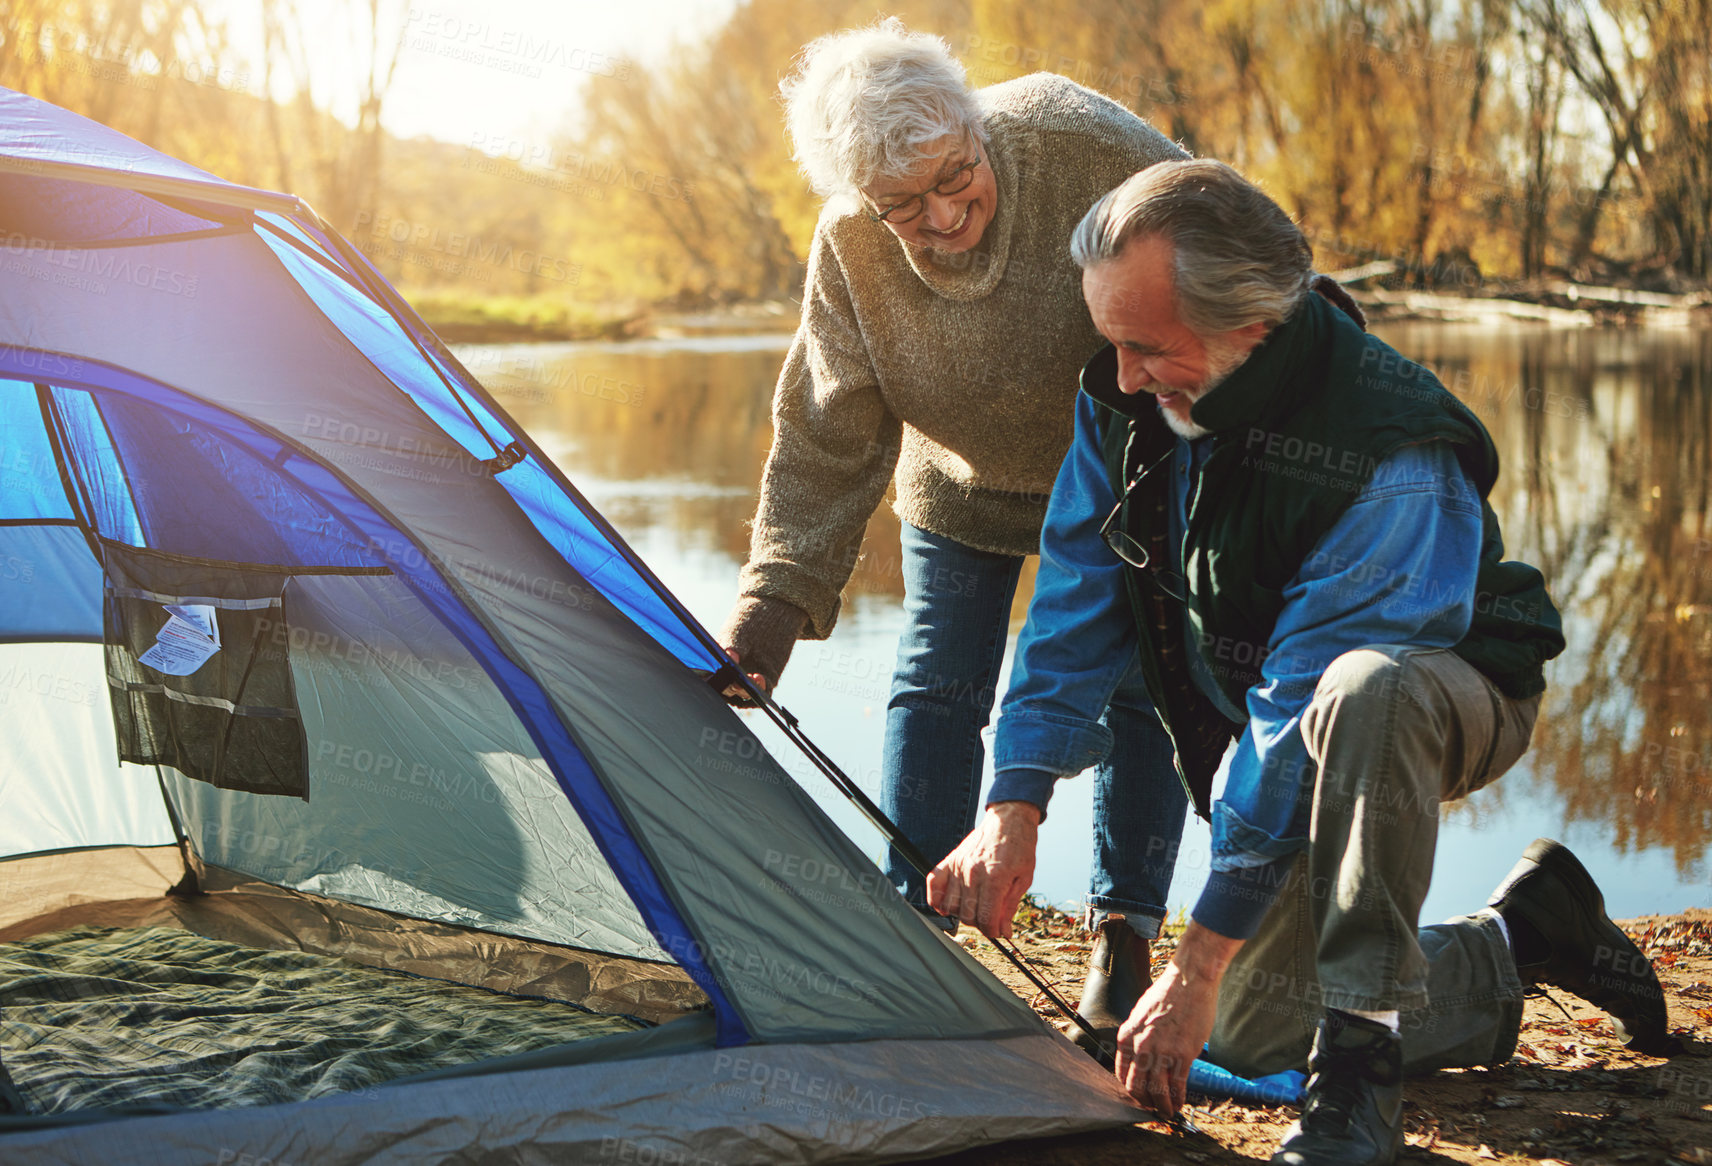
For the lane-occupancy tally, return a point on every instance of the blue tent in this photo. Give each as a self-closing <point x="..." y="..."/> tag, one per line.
<point x="292" y="614"/>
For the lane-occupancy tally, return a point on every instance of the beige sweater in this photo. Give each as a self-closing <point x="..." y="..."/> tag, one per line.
<point x="956" y="374"/>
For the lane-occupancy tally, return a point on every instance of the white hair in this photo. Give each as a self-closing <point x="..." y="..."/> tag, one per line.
<point x="862" y="103"/>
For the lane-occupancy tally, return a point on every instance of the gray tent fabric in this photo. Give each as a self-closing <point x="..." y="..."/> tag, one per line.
<point x="630" y="707"/>
<point x="490" y="754"/>
<point x="527" y="865"/>
<point x="624" y="699"/>
<point x="862" y="1102"/>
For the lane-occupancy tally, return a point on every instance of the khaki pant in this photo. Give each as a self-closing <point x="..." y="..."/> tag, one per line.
<point x="1393" y="730"/>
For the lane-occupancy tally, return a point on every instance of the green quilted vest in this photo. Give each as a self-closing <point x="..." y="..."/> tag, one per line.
<point x="1298" y="432"/>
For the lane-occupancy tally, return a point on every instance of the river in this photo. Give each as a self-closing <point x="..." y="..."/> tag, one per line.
<point x="1606" y="441"/>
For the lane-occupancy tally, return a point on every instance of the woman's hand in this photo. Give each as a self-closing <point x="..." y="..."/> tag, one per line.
<point x="735" y="692"/>
<point x="758" y="636"/>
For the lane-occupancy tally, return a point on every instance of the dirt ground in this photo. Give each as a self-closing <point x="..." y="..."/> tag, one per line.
<point x="1572" y="1094"/>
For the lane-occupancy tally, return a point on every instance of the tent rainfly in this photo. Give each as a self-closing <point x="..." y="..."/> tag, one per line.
<point x="305" y="645"/>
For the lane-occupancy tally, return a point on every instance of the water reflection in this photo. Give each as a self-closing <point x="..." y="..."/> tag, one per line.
<point x="1606" y="440"/>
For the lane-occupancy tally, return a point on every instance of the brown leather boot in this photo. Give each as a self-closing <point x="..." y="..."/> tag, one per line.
<point x="1118" y="974"/>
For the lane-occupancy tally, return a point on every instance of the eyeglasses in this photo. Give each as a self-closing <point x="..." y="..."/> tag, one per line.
<point x="912" y="207"/>
<point x="1132" y="552"/>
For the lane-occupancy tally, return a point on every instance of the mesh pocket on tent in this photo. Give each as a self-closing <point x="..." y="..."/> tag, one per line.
<point x="231" y="720"/>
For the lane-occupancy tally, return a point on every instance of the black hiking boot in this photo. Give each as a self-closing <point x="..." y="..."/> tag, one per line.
<point x="1560" y="935"/>
<point x="1118" y="975"/>
<point x="1353" y="1113"/>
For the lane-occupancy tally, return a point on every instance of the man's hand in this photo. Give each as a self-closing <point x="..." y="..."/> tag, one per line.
<point x="983" y="880"/>
<point x="1172" y="1021"/>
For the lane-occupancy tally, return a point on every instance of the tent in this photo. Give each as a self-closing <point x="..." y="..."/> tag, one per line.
<point x="304" y="643"/>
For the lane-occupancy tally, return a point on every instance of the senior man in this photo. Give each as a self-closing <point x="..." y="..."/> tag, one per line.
<point x="1281" y="525"/>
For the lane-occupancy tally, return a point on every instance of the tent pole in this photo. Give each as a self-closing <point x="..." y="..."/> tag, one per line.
<point x="396" y="307"/>
<point x="189" y="884"/>
<point x="83" y="509"/>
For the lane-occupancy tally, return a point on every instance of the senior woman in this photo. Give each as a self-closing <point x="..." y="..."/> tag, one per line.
<point x="942" y="334"/>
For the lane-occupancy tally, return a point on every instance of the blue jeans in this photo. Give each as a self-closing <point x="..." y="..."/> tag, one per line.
<point x="957" y="604"/>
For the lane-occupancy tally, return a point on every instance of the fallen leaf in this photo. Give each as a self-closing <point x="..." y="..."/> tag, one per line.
<point x="1485" y="1151"/>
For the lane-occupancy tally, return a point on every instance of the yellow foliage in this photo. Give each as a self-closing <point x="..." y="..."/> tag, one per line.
<point x="1450" y="139"/>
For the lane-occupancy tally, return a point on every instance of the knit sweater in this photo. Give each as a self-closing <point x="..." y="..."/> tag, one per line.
<point x="955" y="374"/>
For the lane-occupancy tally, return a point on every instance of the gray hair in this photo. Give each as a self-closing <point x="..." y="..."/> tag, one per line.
<point x="862" y="104"/>
<point x="1238" y="258"/>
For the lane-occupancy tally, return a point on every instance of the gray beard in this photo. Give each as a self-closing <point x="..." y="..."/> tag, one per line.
<point x="1187" y="430"/>
<point x="1222" y="360"/>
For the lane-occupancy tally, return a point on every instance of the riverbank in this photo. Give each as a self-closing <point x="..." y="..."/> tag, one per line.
<point x="463" y="317"/>
<point x="1571" y="1094"/>
<point x="466" y="317"/>
<point x="1552" y="302"/>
